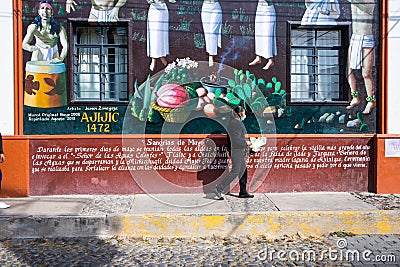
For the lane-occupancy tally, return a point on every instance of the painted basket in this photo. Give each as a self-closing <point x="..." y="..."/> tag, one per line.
<point x="174" y="115"/>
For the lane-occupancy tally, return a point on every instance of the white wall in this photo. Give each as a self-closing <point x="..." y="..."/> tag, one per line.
<point x="6" y="69"/>
<point x="394" y="68"/>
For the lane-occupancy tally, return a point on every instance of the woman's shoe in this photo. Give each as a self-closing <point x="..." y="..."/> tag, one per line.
<point x="4" y="205"/>
<point x="245" y="195"/>
<point x="218" y="194"/>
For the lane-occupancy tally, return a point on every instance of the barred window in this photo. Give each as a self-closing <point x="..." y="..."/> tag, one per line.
<point x="318" y="58"/>
<point x="100" y="62"/>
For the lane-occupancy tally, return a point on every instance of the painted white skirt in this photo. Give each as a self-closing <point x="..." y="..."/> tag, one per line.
<point x="211" y="17"/>
<point x="357" y="43"/>
<point x="265" y="31"/>
<point x="157" y="31"/>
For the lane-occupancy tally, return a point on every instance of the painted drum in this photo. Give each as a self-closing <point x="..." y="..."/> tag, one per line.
<point x="45" y="85"/>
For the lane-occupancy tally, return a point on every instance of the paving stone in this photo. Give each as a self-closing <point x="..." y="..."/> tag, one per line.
<point x="63" y="251"/>
<point x="199" y="251"/>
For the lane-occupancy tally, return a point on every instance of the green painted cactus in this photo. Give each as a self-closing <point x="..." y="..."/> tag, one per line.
<point x="363" y="126"/>
<point x="244" y="86"/>
<point x="142" y="98"/>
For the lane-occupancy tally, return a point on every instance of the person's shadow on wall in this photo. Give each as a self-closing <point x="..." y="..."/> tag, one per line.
<point x="213" y="164"/>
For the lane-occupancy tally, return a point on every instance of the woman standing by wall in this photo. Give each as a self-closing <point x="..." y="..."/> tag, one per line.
<point x="237" y="149"/>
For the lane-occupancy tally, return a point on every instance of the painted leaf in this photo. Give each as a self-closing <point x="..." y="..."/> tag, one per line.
<point x="31" y="85"/>
<point x="278" y="86"/>
<point x="158" y="83"/>
<point x="235" y="101"/>
<point x="274" y="79"/>
<point x="192" y="91"/>
<point x="35" y="85"/>
<point x="232" y="83"/>
<point x="230" y="95"/>
<point x="154" y="116"/>
<point x="256" y="105"/>
<point x="51" y="92"/>
<point x="147" y="95"/>
<point x="240" y="93"/>
<point x="247" y="90"/>
<point x="237" y="89"/>
<point x="138" y="92"/>
<point x="60" y="85"/>
<point x="261" y="99"/>
<point x="49" y="82"/>
<point x="364" y="128"/>
<point x="218" y="92"/>
<point x="359" y="117"/>
<point x="144" y="113"/>
<point x="269" y="85"/>
<point x="137" y="105"/>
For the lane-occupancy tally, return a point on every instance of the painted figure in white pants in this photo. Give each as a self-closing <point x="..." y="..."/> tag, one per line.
<point x="211" y="17"/>
<point x="101" y="11"/>
<point x="158" y="32"/>
<point x="265" y="34"/>
<point x="361" y="51"/>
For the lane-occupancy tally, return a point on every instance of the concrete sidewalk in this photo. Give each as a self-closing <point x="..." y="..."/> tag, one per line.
<point x="185" y="215"/>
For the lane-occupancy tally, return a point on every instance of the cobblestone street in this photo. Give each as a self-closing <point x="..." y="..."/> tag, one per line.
<point x="341" y="249"/>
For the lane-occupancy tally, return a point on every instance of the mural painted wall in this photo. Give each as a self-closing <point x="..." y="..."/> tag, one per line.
<point x="129" y="66"/>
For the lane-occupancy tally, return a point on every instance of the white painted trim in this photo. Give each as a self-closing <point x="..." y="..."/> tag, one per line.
<point x="7" y="68"/>
<point x="393" y="68"/>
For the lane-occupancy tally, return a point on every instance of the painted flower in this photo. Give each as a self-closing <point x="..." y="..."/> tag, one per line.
<point x="181" y="63"/>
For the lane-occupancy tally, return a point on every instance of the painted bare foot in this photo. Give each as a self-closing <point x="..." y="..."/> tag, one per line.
<point x="269" y="64"/>
<point x="210" y="61"/>
<point x="163" y="61"/>
<point x="256" y="61"/>
<point x="354" y="102"/>
<point x="369" y="107"/>
<point x="152" y="66"/>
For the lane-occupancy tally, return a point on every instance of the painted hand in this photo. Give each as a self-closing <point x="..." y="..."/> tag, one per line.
<point x="324" y="11"/>
<point x="57" y="60"/>
<point x="70" y="4"/>
<point x="114" y="14"/>
<point x="33" y="48"/>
